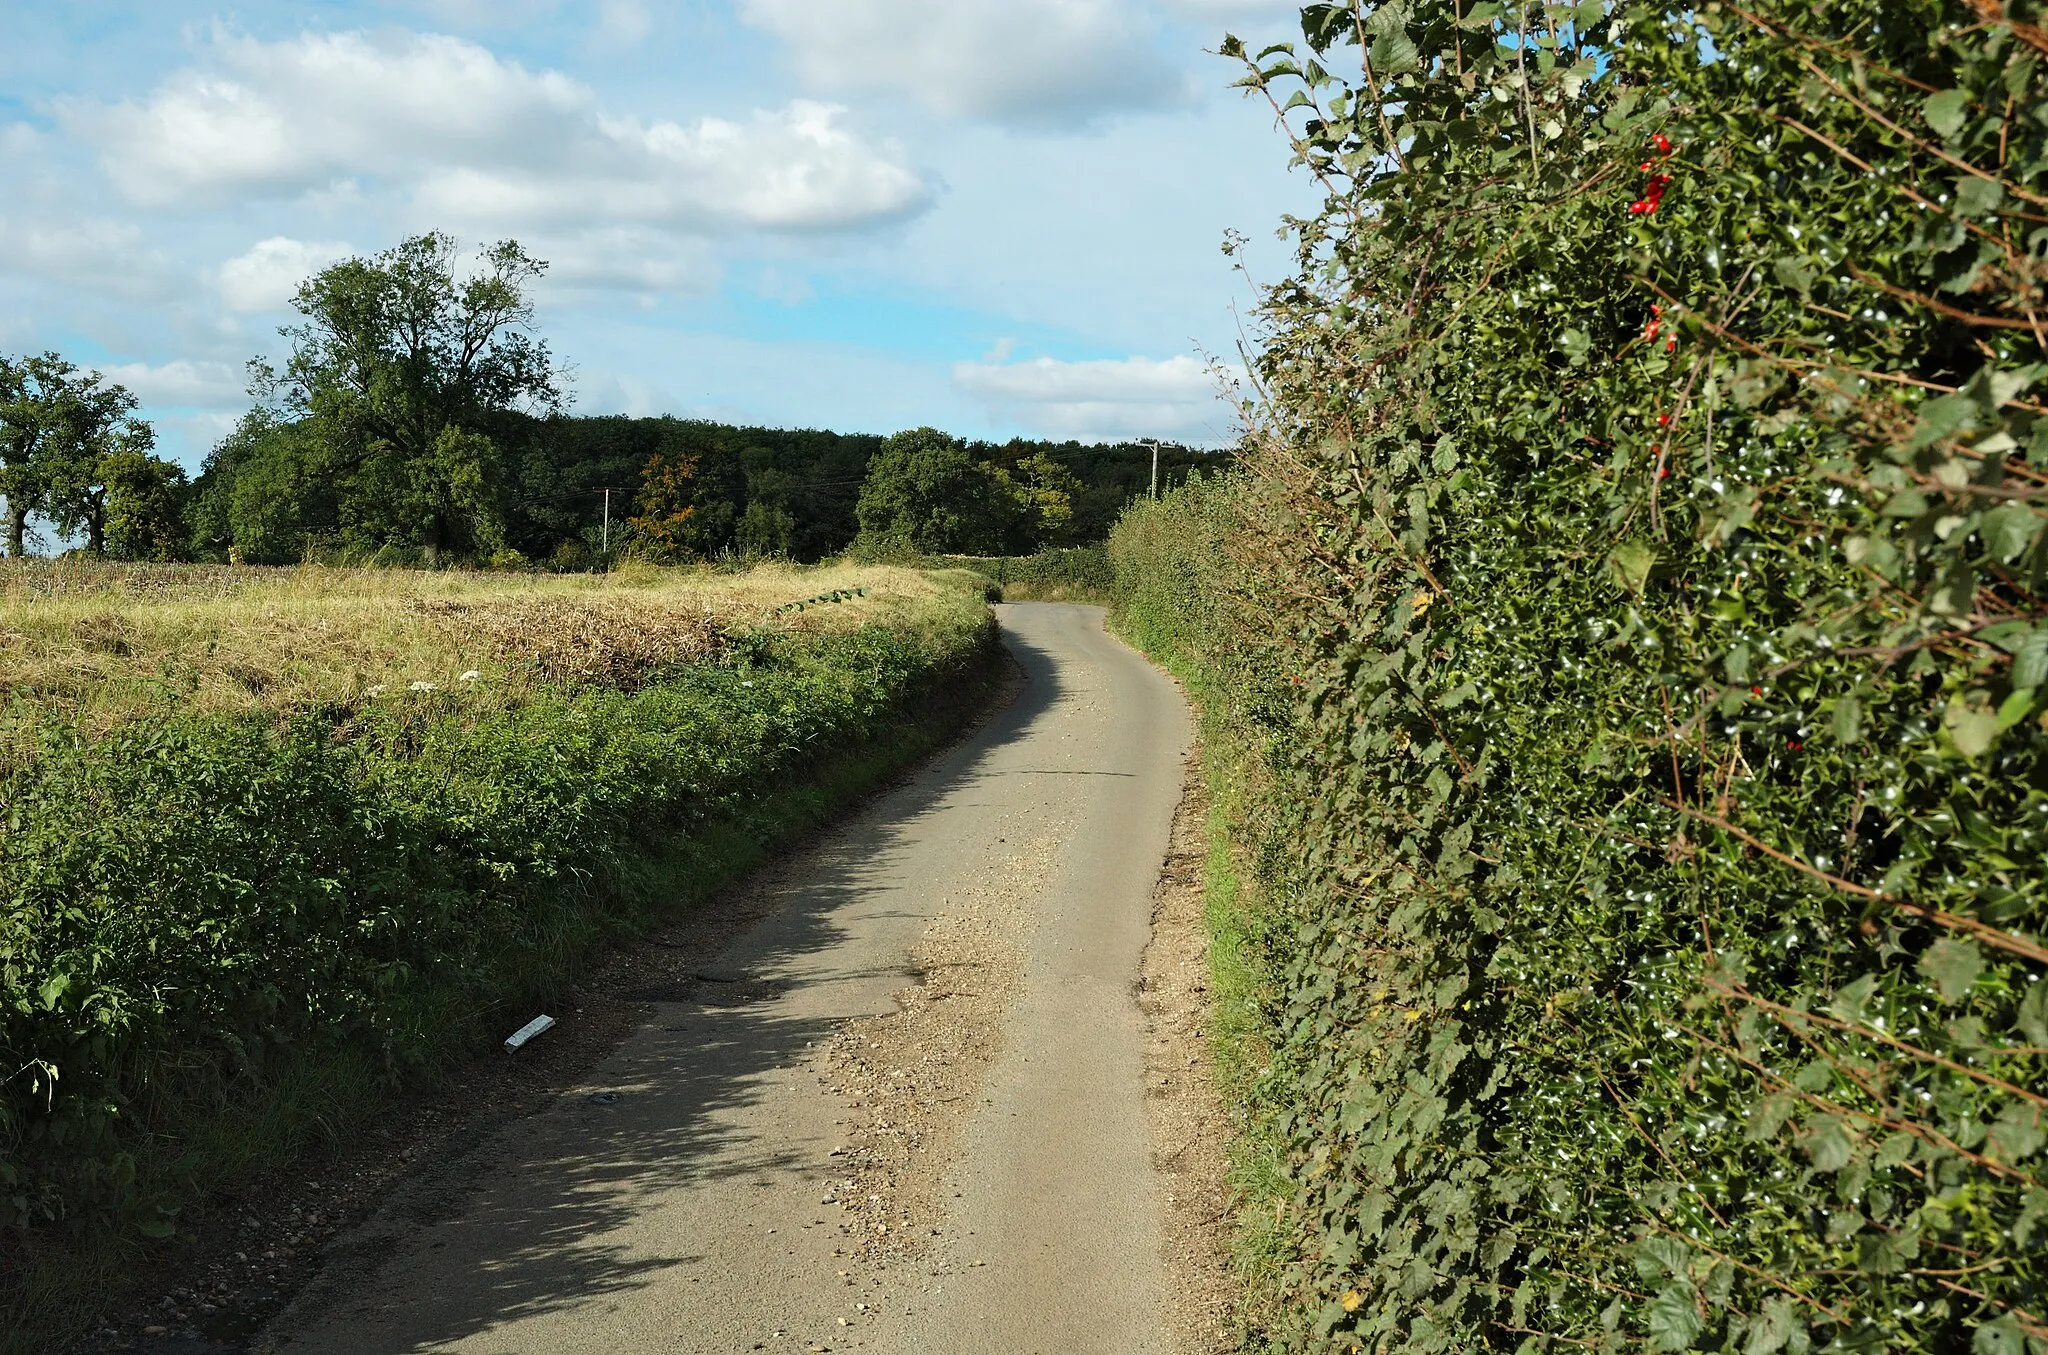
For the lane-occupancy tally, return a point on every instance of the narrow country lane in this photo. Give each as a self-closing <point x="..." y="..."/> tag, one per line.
<point x="695" y="1196"/>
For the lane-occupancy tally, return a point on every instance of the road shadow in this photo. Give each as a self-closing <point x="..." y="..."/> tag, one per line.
<point x="519" y="1226"/>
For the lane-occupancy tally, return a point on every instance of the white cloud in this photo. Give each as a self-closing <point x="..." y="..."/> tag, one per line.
<point x="466" y="130"/>
<point x="1103" y="398"/>
<point x="267" y="277"/>
<point x="1032" y="61"/>
<point x="182" y="384"/>
<point x="109" y="257"/>
<point x="795" y="169"/>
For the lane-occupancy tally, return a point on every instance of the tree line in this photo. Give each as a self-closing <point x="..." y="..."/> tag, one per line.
<point x="419" y="418"/>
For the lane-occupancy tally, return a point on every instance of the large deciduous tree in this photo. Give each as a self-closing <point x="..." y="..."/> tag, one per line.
<point x="73" y="449"/>
<point x="398" y="368"/>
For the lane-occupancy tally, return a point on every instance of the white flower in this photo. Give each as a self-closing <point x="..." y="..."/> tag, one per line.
<point x="471" y="676"/>
<point x="421" y="687"/>
<point x="377" y="690"/>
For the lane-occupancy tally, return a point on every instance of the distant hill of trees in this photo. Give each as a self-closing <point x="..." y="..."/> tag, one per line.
<point x="419" y="419"/>
<point x="762" y="491"/>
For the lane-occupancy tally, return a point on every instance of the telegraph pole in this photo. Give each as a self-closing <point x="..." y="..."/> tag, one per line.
<point x="605" y="536"/>
<point x="1155" y="463"/>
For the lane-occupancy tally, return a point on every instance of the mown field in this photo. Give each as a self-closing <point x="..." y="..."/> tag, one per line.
<point x="259" y="822"/>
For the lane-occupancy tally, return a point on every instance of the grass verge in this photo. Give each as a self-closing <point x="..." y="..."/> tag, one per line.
<point x="709" y="773"/>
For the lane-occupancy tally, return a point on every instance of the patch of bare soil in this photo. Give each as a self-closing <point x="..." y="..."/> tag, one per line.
<point x="1189" y="1128"/>
<point x="910" y="1076"/>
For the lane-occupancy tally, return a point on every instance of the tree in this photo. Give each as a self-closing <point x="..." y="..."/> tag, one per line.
<point x="34" y="412"/>
<point x="662" y="530"/>
<point x="145" y="507"/>
<point x="399" y="367"/>
<point x="925" y="490"/>
<point x="1042" y="491"/>
<point x="99" y="437"/>
<point x="264" y="495"/>
<point x="70" y="446"/>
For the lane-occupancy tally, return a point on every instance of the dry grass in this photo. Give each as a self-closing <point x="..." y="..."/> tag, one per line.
<point x="98" y="644"/>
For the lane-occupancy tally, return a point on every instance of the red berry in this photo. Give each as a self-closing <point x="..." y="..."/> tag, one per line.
<point x="1663" y="420"/>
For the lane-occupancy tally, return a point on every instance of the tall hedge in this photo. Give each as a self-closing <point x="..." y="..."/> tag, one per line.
<point x="1653" y="455"/>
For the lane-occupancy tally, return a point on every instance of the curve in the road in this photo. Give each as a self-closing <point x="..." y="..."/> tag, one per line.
<point x="684" y="1214"/>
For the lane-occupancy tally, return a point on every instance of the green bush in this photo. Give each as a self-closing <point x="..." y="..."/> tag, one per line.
<point x="207" y="897"/>
<point x="1645" y="507"/>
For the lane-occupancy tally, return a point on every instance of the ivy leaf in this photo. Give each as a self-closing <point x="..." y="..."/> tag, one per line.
<point x="1947" y="110"/>
<point x="1673" y="1318"/>
<point x="1952" y="964"/>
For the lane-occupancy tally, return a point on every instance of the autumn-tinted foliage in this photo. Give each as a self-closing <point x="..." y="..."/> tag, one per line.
<point x="1649" y="486"/>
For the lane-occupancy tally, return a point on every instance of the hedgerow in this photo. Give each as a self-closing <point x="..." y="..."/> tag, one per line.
<point x="1648" y="461"/>
<point x="204" y="897"/>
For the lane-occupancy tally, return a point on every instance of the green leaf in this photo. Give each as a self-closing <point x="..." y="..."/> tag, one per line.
<point x="2030" y="660"/>
<point x="53" y="988"/>
<point x="1574" y="344"/>
<point x="2015" y="708"/>
<point x="1393" y="53"/>
<point x="1977" y="197"/>
<point x="2003" y="1337"/>
<point x="2009" y="530"/>
<point x="1673" y="1318"/>
<point x="2032" y="1017"/>
<point x="1848" y="723"/>
<point x="1828" y="1145"/>
<point x="1630" y="563"/>
<point x="1946" y="111"/>
<point x="2018" y="1133"/>
<point x="1773" y="1327"/>
<point x="1795" y="274"/>
<point x="1970" y="728"/>
<point x="1952" y="964"/>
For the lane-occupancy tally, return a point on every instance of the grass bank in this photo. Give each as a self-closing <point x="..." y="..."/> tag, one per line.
<point x="234" y="915"/>
<point x="1173" y="595"/>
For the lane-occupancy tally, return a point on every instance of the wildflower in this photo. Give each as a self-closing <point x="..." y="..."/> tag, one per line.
<point x="377" y="690"/>
<point x="421" y="687"/>
<point x="471" y="676"/>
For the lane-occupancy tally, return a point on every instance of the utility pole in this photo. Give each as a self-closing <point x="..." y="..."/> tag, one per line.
<point x="1155" y="463"/>
<point x="605" y="535"/>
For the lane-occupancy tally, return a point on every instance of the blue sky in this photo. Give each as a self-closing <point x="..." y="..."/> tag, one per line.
<point x="997" y="216"/>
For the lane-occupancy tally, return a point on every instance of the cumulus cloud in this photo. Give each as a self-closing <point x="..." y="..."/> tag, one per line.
<point x="109" y="257"/>
<point x="461" y="128"/>
<point x="266" y="278"/>
<point x="182" y="384"/>
<point x="1030" y="61"/>
<point x="1101" y="399"/>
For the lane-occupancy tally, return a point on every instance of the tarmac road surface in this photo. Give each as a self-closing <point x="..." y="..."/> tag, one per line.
<point x="682" y="1202"/>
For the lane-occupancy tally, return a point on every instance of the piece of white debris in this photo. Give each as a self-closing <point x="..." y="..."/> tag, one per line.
<point x="538" y="1025"/>
<point x="421" y="687"/>
<point x="471" y="676"/>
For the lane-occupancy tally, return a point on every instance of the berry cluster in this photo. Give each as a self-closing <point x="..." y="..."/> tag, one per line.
<point x="1653" y="192"/>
